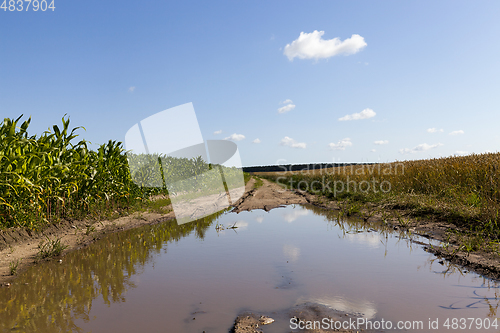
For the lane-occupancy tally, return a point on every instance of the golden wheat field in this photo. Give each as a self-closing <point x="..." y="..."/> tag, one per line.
<point x="466" y="187"/>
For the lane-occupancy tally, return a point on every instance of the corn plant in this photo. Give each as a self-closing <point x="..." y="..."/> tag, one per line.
<point x="52" y="176"/>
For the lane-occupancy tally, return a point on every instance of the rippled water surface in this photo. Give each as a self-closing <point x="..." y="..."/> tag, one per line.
<point x="195" y="278"/>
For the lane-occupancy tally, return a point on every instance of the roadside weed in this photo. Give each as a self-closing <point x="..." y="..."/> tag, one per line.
<point x="13" y="266"/>
<point x="90" y="229"/>
<point x="50" y="248"/>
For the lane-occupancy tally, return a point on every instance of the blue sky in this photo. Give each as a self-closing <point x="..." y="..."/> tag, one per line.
<point x="415" y="65"/>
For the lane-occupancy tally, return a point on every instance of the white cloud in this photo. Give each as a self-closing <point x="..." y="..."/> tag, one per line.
<point x="294" y="214"/>
<point x="461" y="152"/>
<point x="218" y="132"/>
<point x="419" y="148"/>
<point x="286" y="108"/>
<point x="372" y="239"/>
<point x="373" y="150"/>
<point x="459" y="132"/>
<point x="286" y="141"/>
<point x="287" y="101"/>
<point x="259" y="219"/>
<point x="381" y="142"/>
<point x="291" y="252"/>
<point x="131" y="89"/>
<point x="434" y="130"/>
<point x="313" y="46"/>
<point x="341" y="145"/>
<point x="256" y="140"/>
<point x="365" y="114"/>
<point x="235" y="137"/>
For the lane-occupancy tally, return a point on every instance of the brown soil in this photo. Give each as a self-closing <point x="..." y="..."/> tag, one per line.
<point x="248" y="323"/>
<point x="267" y="197"/>
<point x="22" y="245"/>
<point x="306" y="313"/>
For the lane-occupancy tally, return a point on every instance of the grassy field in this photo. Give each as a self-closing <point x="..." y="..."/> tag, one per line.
<point x="461" y="190"/>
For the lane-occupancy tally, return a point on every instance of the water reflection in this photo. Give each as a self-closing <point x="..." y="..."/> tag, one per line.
<point x="478" y="300"/>
<point x="364" y="308"/>
<point x="483" y="296"/>
<point x="372" y="234"/>
<point x="267" y="262"/>
<point x="291" y="252"/>
<point x="291" y="216"/>
<point x="51" y="296"/>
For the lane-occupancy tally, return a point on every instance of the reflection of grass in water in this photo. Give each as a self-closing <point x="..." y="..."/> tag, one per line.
<point x="354" y="225"/>
<point x="476" y="300"/>
<point x="56" y="295"/>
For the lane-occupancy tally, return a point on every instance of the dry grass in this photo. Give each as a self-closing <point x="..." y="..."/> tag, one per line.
<point x="463" y="190"/>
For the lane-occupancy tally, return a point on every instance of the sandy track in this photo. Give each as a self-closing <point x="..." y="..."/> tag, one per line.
<point x="267" y="197"/>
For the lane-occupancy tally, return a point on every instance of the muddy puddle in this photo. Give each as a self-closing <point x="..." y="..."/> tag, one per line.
<point x="198" y="277"/>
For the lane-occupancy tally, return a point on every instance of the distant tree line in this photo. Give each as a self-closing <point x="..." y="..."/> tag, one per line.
<point x="298" y="167"/>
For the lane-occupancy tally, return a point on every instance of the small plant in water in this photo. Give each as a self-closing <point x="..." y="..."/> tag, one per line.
<point x="233" y="226"/>
<point x="219" y="227"/>
<point x="366" y="214"/>
<point x="50" y="248"/>
<point x="446" y="244"/>
<point x="384" y="216"/>
<point x="349" y="208"/>
<point x="403" y="222"/>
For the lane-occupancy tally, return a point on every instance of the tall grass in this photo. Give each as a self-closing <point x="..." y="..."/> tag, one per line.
<point x="463" y="189"/>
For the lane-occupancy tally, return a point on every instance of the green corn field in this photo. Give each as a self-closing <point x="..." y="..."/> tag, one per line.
<point x="54" y="176"/>
<point x="51" y="176"/>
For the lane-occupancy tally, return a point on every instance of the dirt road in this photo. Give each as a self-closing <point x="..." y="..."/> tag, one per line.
<point x="267" y="197"/>
<point x="20" y="245"/>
